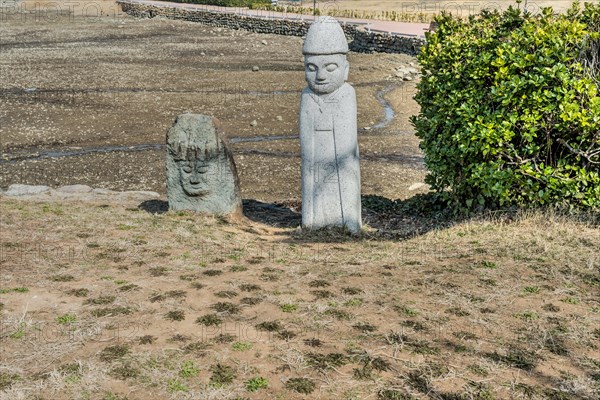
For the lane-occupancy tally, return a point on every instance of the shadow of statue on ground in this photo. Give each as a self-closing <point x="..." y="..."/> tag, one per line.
<point x="154" y="206"/>
<point x="284" y="214"/>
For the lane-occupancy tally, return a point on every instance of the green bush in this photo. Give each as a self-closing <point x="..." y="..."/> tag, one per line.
<point x="225" y="3"/>
<point x="510" y="108"/>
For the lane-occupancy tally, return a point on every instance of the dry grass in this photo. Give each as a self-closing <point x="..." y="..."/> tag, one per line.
<point x="499" y="307"/>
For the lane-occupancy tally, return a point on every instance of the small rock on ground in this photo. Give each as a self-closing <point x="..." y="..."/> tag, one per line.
<point x="25" y="190"/>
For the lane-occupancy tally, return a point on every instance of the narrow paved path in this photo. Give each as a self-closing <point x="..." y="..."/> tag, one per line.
<point x="393" y="27"/>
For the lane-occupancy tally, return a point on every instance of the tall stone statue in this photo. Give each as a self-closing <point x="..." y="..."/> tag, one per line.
<point x="201" y="173"/>
<point x="328" y="132"/>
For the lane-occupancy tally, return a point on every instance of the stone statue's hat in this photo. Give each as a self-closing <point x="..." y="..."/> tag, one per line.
<point x="325" y="36"/>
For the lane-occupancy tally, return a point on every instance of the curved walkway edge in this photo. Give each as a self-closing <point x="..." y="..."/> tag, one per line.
<point x="366" y="35"/>
<point x="391" y="27"/>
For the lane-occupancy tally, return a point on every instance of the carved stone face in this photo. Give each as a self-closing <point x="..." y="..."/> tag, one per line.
<point x="194" y="176"/>
<point x="325" y="73"/>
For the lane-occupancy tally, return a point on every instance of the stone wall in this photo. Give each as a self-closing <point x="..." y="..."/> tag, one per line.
<point x="360" y="40"/>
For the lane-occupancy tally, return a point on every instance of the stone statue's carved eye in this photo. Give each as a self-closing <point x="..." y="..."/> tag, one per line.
<point x="311" y="67"/>
<point x="202" y="169"/>
<point x="331" y="67"/>
<point x="187" y="168"/>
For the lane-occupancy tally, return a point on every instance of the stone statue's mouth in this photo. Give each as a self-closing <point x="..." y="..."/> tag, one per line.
<point x="195" y="190"/>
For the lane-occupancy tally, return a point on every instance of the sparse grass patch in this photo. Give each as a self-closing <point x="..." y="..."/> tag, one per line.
<point x="189" y="277"/>
<point x="212" y="272"/>
<point x="112" y="396"/>
<point x="527" y="316"/>
<point x="463" y="335"/>
<point x="300" y="385"/>
<point x="322" y="294"/>
<point x="110" y="311"/>
<point x="156" y="297"/>
<point x="158" y="271"/>
<point x="247" y="287"/>
<point x="288" y="308"/>
<point x="188" y="369"/>
<point x="458" y="311"/>
<point x="318" y="283"/>
<point x="62" y="278"/>
<point x="326" y="361"/>
<point x="354" y="302"/>
<point x="420" y="378"/>
<point x="571" y="300"/>
<point x="409" y="312"/>
<point x="256" y="384"/>
<point x="313" y="342"/>
<point x="393" y="394"/>
<point x="179" y="338"/>
<point x="478" y="370"/>
<point x="550" y="307"/>
<point x="66" y="319"/>
<point x="198" y="348"/>
<point x="226" y="308"/>
<point x="416" y="325"/>
<point x="209" y="320"/>
<point x="115" y="352"/>
<point x="268" y="277"/>
<point x="175" y="294"/>
<point x="8" y="379"/>
<point x="338" y="314"/>
<point x="125" y="371"/>
<point x="221" y="375"/>
<point x="487" y="265"/>
<point x="351" y="291"/>
<point x="269" y="326"/>
<point x="197" y="285"/>
<point x="488" y="281"/>
<point x="365" y="327"/>
<point x="285" y="334"/>
<point x="174" y="385"/>
<point x="146" y="339"/>
<point x="532" y="289"/>
<point x="224" y="338"/>
<point x="100" y="300"/>
<point x="226" y="294"/>
<point x="241" y="346"/>
<point x="250" y="301"/>
<point x="175" y="315"/>
<point x="555" y="343"/>
<point x="423" y="347"/>
<point x="81" y="292"/>
<point x="516" y="357"/>
<point x="129" y="287"/>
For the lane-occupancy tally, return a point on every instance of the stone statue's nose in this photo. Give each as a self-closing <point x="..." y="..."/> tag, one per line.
<point x="320" y="74"/>
<point x="196" y="176"/>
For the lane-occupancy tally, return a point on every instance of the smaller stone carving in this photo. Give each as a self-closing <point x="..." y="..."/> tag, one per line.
<point x="201" y="173"/>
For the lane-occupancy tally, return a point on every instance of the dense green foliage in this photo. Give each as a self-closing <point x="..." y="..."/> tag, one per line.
<point x="510" y="108"/>
<point x="225" y="3"/>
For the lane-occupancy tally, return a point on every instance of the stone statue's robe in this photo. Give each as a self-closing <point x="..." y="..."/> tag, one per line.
<point x="330" y="161"/>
